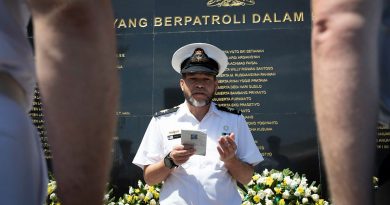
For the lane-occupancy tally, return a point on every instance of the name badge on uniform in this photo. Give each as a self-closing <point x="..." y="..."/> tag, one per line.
<point x="174" y="135"/>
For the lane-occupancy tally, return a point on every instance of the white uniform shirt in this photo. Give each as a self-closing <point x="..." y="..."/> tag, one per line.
<point x="202" y="180"/>
<point x="16" y="54"/>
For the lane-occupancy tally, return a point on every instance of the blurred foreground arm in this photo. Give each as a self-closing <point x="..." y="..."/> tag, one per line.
<point x="75" y="53"/>
<point x="344" y="43"/>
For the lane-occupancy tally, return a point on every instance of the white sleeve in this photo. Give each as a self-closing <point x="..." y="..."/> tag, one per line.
<point x="247" y="149"/>
<point x="151" y="148"/>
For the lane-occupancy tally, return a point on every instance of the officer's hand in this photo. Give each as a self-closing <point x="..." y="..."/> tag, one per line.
<point x="227" y="147"/>
<point x="181" y="153"/>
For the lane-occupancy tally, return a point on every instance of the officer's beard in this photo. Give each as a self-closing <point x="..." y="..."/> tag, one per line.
<point x="198" y="103"/>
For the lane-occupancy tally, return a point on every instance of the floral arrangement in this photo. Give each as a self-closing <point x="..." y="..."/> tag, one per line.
<point x="268" y="188"/>
<point x="51" y="195"/>
<point x="142" y="195"/>
<point x="52" y="198"/>
<point x="281" y="188"/>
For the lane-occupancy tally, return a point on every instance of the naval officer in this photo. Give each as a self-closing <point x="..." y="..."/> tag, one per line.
<point x="231" y="152"/>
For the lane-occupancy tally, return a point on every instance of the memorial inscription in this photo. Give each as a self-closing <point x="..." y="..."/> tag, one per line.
<point x="244" y="79"/>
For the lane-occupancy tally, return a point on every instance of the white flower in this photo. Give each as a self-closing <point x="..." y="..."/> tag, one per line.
<point x="52" y="196"/>
<point x="52" y="183"/>
<point x="251" y="192"/>
<point x="303" y="182"/>
<point x="106" y="197"/>
<point x="261" y="194"/>
<point x="287" y="180"/>
<point x="146" y="186"/>
<point x="268" y="202"/>
<point x="141" y="196"/>
<point x="120" y="203"/>
<point x="277" y="176"/>
<point x="265" y="172"/>
<point x="153" y="202"/>
<point x="314" y="189"/>
<point x="286" y="194"/>
<point x="139" y="183"/>
<point x="131" y="190"/>
<point x="268" y="192"/>
<point x="305" y="200"/>
<point x="251" y="183"/>
<point x="297" y="180"/>
<point x="261" y="180"/>
<point x="246" y="203"/>
<point x="307" y="192"/>
<point x="149" y="195"/>
<point x="293" y="184"/>
<point x="315" y="197"/>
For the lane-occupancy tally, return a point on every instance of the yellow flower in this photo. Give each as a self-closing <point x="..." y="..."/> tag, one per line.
<point x="269" y="181"/>
<point x="255" y="177"/>
<point x="129" y="198"/>
<point x="156" y="194"/>
<point x="256" y="198"/>
<point x="151" y="188"/>
<point x="50" y="189"/>
<point x="320" y="202"/>
<point x="137" y="191"/>
<point x="146" y="199"/>
<point x="300" y="190"/>
<point x="281" y="202"/>
<point x="278" y="190"/>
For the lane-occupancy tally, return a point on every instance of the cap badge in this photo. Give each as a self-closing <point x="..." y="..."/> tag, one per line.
<point x="199" y="56"/>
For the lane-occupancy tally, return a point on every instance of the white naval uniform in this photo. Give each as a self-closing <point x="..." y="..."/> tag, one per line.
<point x="202" y="180"/>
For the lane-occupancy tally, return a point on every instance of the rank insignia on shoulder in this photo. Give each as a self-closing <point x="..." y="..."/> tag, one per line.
<point x="229" y="110"/>
<point x="166" y="111"/>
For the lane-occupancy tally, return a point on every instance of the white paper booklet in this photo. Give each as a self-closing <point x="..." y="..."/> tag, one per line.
<point x="196" y="138"/>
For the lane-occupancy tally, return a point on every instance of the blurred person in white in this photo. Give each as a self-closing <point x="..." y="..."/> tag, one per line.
<point x="75" y="71"/>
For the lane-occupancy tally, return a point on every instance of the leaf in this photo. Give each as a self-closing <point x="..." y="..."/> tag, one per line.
<point x="287" y="172"/>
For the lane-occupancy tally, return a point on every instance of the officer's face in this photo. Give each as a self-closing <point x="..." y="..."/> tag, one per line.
<point x="198" y="88"/>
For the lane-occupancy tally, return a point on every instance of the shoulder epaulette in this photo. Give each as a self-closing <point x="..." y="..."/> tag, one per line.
<point x="166" y="111"/>
<point x="229" y="110"/>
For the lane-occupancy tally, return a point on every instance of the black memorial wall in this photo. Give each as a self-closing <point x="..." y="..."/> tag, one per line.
<point x="268" y="77"/>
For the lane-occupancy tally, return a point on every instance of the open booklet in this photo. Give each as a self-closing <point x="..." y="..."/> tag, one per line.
<point x="196" y="138"/>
